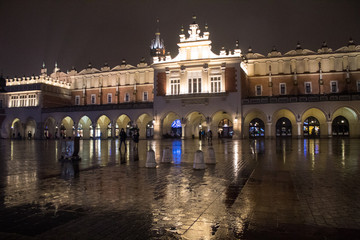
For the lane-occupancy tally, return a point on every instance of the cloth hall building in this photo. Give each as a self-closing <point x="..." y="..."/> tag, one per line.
<point x="301" y="93"/>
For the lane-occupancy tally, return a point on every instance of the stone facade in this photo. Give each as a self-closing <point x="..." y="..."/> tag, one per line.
<point x="301" y="93"/>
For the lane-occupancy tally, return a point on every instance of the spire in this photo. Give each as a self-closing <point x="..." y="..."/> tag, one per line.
<point x="157" y="47"/>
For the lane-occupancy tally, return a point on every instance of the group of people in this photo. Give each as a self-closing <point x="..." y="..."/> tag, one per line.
<point x="135" y="136"/>
<point x="208" y="135"/>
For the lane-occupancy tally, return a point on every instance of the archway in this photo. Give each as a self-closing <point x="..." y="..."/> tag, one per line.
<point x="311" y="127"/>
<point x="50" y="129"/>
<point x="250" y="116"/>
<point x="352" y="117"/>
<point x="145" y="125"/>
<point x="85" y="127"/>
<point x="196" y="125"/>
<point x="67" y="128"/>
<point x="150" y="129"/>
<point x="256" y="128"/>
<point x="30" y="129"/>
<point x="221" y="124"/>
<point x="283" y="127"/>
<point x="171" y="125"/>
<point x="17" y="130"/>
<point x="340" y="126"/>
<point x="121" y="122"/>
<point x="103" y="127"/>
<point x="318" y="117"/>
<point x="225" y="128"/>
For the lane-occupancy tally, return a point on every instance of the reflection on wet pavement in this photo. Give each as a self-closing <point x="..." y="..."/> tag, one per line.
<point x="256" y="186"/>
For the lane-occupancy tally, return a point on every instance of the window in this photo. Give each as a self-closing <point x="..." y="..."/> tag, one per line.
<point x="358" y="86"/>
<point x="334" y="86"/>
<point x="93" y="98"/>
<point x="195" y="85"/>
<point x="175" y="86"/>
<point x="215" y="84"/>
<point x="109" y="98"/>
<point x="14" y="101"/>
<point x="307" y="87"/>
<point x="145" y="96"/>
<point x="32" y="100"/>
<point x="258" y="90"/>
<point x="127" y="97"/>
<point x="282" y="88"/>
<point x="77" y="100"/>
<point x="23" y="101"/>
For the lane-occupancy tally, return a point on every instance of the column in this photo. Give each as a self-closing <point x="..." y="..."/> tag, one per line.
<point x="299" y="129"/>
<point x="236" y="128"/>
<point x="157" y="129"/>
<point x="268" y="132"/>
<point x="76" y="128"/>
<point x="183" y="126"/>
<point x="94" y="130"/>
<point x="329" y="123"/>
<point x="113" y="127"/>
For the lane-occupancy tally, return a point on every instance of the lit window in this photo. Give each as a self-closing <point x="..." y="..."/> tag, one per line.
<point x="175" y="86"/>
<point x="127" y="97"/>
<point x="282" y="88"/>
<point x="93" y="98"/>
<point x="307" y="87"/>
<point x="77" y="100"/>
<point x="334" y="86"/>
<point x="215" y="84"/>
<point x="109" y="98"/>
<point x="258" y="90"/>
<point x="195" y="85"/>
<point x="32" y="100"/>
<point x="145" y="96"/>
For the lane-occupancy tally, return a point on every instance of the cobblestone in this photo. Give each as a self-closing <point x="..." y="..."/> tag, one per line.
<point x="268" y="189"/>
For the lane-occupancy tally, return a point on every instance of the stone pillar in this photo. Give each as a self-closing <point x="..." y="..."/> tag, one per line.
<point x="76" y="129"/>
<point x="237" y="128"/>
<point x="268" y="132"/>
<point x="183" y="126"/>
<point x="157" y="129"/>
<point x="94" y="130"/>
<point x="113" y="126"/>
<point x="329" y="123"/>
<point x="299" y="129"/>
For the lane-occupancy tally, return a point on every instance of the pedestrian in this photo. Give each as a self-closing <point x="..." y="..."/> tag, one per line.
<point x="209" y="136"/>
<point x="136" y="136"/>
<point x="122" y="138"/>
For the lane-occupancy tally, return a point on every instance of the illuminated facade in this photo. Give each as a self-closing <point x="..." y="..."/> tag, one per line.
<point x="301" y="93"/>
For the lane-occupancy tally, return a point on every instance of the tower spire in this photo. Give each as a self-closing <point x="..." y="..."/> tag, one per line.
<point x="157" y="47"/>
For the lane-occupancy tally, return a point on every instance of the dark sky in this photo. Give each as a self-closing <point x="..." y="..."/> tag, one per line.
<point x="77" y="32"/>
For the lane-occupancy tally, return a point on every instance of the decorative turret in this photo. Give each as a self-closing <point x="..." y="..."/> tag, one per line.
<point x="157" y="48"/>
<point x="43" y="70"/>
<point x="56" y="69"/>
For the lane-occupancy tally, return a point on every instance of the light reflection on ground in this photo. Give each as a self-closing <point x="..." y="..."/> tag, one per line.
<point x="174" y="198"/>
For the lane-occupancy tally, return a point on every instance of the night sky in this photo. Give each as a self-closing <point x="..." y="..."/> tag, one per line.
<point x="77" y="32"/>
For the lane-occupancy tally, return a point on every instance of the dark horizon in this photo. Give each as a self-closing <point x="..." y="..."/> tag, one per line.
<point x="76" y="33"/>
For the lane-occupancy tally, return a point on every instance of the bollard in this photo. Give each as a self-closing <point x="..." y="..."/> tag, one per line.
<point x="166" y="158"/>
<point x="210" y="159"/>
<point x="199" y="160"/>
<point x="150" y="159"/>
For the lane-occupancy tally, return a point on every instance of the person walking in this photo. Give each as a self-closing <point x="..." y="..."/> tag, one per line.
<point x="122" y="138"/>
<point x="136" y="136"/>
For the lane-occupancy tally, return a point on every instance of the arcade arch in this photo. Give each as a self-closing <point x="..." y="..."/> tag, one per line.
<point x="285" y="123"/>
<point x="67" y="128"/>
<point x="17" y="130"/>
<point x="170" y="127"/>
<point x="196" y="125"/>
<point x="352" y="118"/>
<point x="50" y="128"/>
<point x="85" y="127"/>
<point x="103" y="127"/>
<point x="314" y="122"/>
<point x="250" y="116"/>
<point x="122" y="122"/>
<point x="145" y="126"/>
<point x="222" y="125"/>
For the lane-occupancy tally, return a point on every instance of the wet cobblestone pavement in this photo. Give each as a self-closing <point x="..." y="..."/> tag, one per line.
<point x="258" y="189"/>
